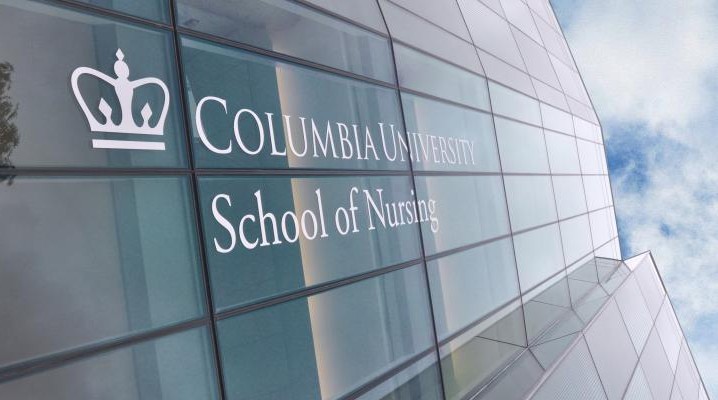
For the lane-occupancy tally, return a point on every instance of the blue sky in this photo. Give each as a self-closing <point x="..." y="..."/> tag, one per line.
<point x="651" y="68"/>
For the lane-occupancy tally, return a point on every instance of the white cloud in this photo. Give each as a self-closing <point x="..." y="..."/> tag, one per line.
<point x="651" y="66"/>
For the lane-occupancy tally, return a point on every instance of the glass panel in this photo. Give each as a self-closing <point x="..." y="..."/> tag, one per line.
<point x="417" y="32"/>
<point x="562" y="153"/>
<point x="537" y="61"/>
<point x="293" y="29"/>
<point x="516" y="382"/>
<point x="656" y="367"/>
<point x="443" y="137"/>
<point x="518" y="14"/>
<point x="576" y="237"/>
<point x="574" y="378"/>
<point x="507" y="102"/>
<point x="471" y="362"/>
<point x="556" y="119"/>
<point x="522" y="147"/>
<point x="429" y="75"/>
<point x="157" y="10"/>
<point x="444" y="13"/>
<point x="595" y="191"/>
<point x="466" y="286"/>
<point x="365" y="12"/>
<point x="147" y="370"/>
<point x="570" y="199"/>
<point x="538" y="255"/>
<point x="128" y="264"/>
<point x="270" y="235"/>
<point x="670" y="334"/>
<point x="530" y="201"/>
<point x="329" y="344"/>
<point x="635" y="313"/>
<point x="612" y="351"/>
<point x="419" y="380"/>
<point x="638" y="388"/>
<point x="469" y="209"/>
<point x="263" y="113"/>
<point x="78" y="107"/>
<point x="589" y="154"/>
<point x="490" y="32"/>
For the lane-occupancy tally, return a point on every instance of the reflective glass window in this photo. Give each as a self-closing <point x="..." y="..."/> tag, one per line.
<point x="417" y="32"/>
<point x="596" y="192"/>
<point x="530" y="200"/>
<point x="570" y="199"/>
<point x="328" y="344"/>
<point x="589" y="154"/>
<point x="517" y="12"/>
<point x="270" y="235"/>
<point x="612" y="350"/>
<point x="251" y="111"/>
<point x="522" y="147"/>
<point x="576" y="237"/>
<point x="365" y="12"/>
<point x="147" y="370"/>
<point x="509" y="103"/>
<point x="110" y="98"/>
<point x="419" y="379"/>
<point x="294" y="29"/>
<point x="537" y="61"/>
<point x="469" y="209"/>
<point x="656" y="367"/>
<point x="444" y="13"/>
<point x="555" y="119"/>
<point x="562" y="153"/>
<point x="157" y="10"/>
<point x="538" y="255"/>
<point x="94" y="258"/>
<point x="506" y="74"/>
<point x="445" y="137"/>
<point x="490" y="32"/>
<point x="429" y="75"/>
<point x="467" y="285"/>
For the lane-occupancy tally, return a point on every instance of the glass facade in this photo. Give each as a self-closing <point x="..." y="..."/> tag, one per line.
<point x="316" y="199"/>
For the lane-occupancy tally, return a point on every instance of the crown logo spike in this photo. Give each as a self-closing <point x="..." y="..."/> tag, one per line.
<point x="124" y="89"/>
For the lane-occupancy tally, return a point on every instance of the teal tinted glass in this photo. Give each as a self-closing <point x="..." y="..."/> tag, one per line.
<point x="94" y="258"/>
<point x="93" y="92"/>
<point x="291" y="28"/>
<point x="156" y="10"/>
<point x="251" y="111"/>
<point x="444" y="137"/>
<point x="421" y="379"/>
<point x="270" y="235"/>
<point x="467" y="209"/>
<point x="465" y="286"/>
<point x="329" y="344"/>
<point x="147" y="370"/>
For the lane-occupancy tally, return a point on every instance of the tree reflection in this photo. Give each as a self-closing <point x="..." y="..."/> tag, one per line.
<point x="9" y="138"/>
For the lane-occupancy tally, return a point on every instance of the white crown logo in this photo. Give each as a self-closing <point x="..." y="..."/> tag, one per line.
<point x="124" y="88"/>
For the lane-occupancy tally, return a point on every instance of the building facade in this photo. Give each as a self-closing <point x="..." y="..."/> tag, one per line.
<point x="316" y="199"/>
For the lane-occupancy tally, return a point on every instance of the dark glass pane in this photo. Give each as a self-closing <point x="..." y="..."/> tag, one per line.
<point x="271" y="235"/>
<point x="89" y="259"/>
<point x="91" y="92"/>
<point x="157" y="10"/>
<point x="444" y="137"/>
<point x="293" y="29"/>
<point x="329" y="344"/>
<point x="176" y="367"/>
<point x="250" y="111"/>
